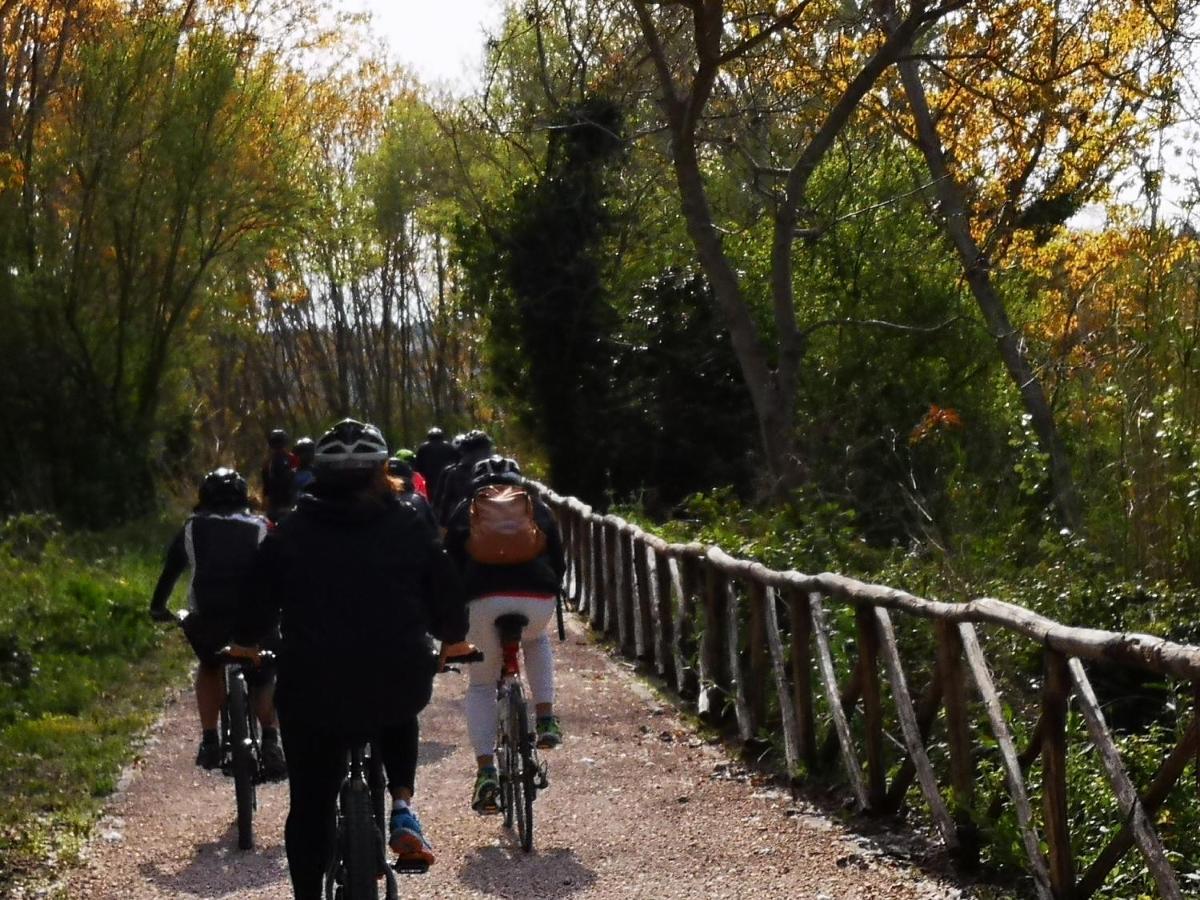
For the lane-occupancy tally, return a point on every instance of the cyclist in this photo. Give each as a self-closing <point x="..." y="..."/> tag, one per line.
<point x="415" y="479"/>
<point x="434" y="454"/>
<point x="360" y="581"/>
<point x="404" y="483"/>
<point x="529" y="589"/>
<point x="304" y="450"/>
<point x="278" y="475"/>
<point x="454" y="484"/>
<point x="218" y="542"/>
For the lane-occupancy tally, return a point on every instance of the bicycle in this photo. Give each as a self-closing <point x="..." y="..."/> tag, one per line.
<point x="360" y="854"/>
<point x="522" y="773"/>
<point x="241" y="754"/>
<point x="360" y="849"/>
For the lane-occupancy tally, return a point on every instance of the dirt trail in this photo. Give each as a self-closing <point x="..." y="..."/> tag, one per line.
<point x="638" y="807"/>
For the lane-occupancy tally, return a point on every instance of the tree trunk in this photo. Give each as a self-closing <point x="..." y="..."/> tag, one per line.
<point x="774" y="403"/>
<point x="1013" y="351"/>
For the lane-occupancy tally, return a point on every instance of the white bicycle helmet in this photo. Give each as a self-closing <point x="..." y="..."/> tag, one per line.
<point x="350" y="445"/>
<point x="495" y="467"/>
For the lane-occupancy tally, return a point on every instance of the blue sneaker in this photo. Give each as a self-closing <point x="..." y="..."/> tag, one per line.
<point x="406" y="838"/>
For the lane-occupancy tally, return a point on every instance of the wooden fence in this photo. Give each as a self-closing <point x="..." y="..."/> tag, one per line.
<point x="658" y="600"/>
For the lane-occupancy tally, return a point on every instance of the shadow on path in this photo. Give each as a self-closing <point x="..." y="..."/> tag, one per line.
<point x="219" y="868"/>
<point x="509" y="872"/>
<point x="430" y="752"/>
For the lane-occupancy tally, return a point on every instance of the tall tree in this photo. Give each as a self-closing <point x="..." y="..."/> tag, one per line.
<point x="725" y="39"/>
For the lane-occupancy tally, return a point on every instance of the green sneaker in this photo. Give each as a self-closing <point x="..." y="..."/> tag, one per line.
<point x="485" y="799"/>
<point x="549" y="732"/>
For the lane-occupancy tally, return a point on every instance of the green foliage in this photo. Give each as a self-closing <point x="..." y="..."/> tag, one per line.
<point x="683" y="422"/>
<point x="82" y="671"/>
<point x="168" y="164"/>
<point x="534" y="268"/>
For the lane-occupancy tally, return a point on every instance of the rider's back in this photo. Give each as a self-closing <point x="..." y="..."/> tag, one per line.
<point x="359" y="586"/>
<point x="221" y="549"/>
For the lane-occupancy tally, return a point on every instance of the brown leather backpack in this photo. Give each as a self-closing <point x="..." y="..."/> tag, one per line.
<point x="503" y="530"/>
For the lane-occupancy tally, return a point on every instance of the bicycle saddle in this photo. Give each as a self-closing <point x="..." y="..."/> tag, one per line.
<point x="510" y="626"/>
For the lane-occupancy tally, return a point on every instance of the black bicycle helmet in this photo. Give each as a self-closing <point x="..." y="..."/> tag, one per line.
<point x="350" y="445"/>
<point x="435" y="434"/>
<point x="399" y="467"/>
<point x="277" y="438"/>
<point x="475" y="440"/>
<point x="223" y="489"/>
<point x="495" y="468"/>
<point x="304" y="450"/>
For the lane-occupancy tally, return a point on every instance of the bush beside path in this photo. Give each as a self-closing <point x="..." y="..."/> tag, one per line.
<point x="639" y="806"/>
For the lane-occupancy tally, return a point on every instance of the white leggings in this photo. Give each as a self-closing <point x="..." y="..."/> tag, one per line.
<point x="539" y="661"/>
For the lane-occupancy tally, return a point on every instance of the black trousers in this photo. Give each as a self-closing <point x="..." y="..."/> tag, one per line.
<point x="316" y="760"/>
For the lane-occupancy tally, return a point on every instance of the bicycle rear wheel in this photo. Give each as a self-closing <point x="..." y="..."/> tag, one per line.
<point x="360" y="843"/>
<point x="521" y="751"/>
<point x="242" y="758"/>
<point x="504" y="763"/>
<point x="377" y="782"/>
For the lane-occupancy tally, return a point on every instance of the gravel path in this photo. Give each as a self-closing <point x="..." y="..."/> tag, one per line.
<point x="638" y="807"/>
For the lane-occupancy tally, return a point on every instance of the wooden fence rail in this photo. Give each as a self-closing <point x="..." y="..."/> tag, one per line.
<point x="758" y="636"/>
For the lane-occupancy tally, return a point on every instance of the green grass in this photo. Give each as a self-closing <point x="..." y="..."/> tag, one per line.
<point x="82" y="673"/>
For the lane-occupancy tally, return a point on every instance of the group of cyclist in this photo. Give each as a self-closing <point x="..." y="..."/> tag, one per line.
<point x="354" y="571"/>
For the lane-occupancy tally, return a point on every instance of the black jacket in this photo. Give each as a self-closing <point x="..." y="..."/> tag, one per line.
<point x="360" y="587"/>
<point x="432" y="457"/>
<point x="541" y="575"/>
<point x="454" y="486"/>
<point x="220" y="550"/>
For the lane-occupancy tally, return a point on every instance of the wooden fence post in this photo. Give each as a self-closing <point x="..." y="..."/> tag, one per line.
<point x="645" y="605"/>
<point x="690" y="590"/>
<point x="713" y="681"/>
<point x="787" y="708"/>
<point x="612" y="578"/>
<point x="1130" y="805"/>
<point x="911" y="730"/>
<point x="1165" y="779"/>
<point x="583" y="555"/>
<point x="802" y="688"/>
<point x="664" y="649"/>
<point x="958" y="737"/>
<point x="841" y="725"/>
<point x="562" y="516"/>
<point x="576" y="550"/>
<point x="737" y="666"/>
<point x="868" y="663"/>
<point x="1056" y="690"/>
<point x="625" y="615"/>
<point x="1008" y="758"/>
<point x="599" y="567"/>
<point x="760" y="664"/>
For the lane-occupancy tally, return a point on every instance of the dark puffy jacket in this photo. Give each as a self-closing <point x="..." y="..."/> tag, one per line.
<point x="359" y="587"/>
<point x="453" y="487"/>
<point x="278" y="482"/>
<point x="432" y="457"/>
<point x="539" y="576"/>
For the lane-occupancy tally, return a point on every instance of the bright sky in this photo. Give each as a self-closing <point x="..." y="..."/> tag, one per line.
<point x="439" y="40"/>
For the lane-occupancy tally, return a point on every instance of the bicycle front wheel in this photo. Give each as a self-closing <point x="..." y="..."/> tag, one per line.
<point x="521" y="752"/>
<point x="242" y="758"/>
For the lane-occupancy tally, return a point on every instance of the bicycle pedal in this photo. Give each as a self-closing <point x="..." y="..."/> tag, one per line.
<point x="410" y="866"/>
